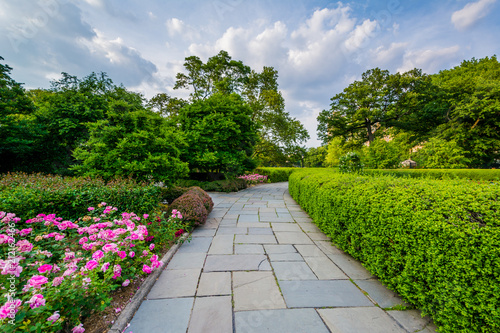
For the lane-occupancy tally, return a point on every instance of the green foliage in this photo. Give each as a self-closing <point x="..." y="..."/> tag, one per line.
<point x="276" y="175"/>
<point x="221" y="134"/>
<point x="435" y="242"/>
<point x="441" y="154"/>
<point x="382" y="154"/>
<point x="351" y="163"/>
<point x="472" y="174"/>
<point x="335" y="151"/>
<point x="315" y="157"/>
<point x="136" y="144"/>
<point x="29" y="195"/>
<point x="226" y="185"/>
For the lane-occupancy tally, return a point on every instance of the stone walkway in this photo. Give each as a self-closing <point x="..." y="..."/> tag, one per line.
<point x="259" y="264"/>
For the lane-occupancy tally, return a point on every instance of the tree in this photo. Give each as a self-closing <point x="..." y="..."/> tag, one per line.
<point x="315" y="157"/>
<point x="366" y="108"/>
<point x="166" y="105"/>
<point x="470" y="100"/>
<point x="441" y="154"/>
<point x="220" y="134"/>
<point x="18" y="128"/>
<point x="131" y="143"/>
<point x="334" y="152"/>
<point x="382" y="154"/>
<point x="280" y="135"/>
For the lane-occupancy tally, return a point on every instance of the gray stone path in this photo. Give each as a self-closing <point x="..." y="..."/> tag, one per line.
<point x="259" y="264"/>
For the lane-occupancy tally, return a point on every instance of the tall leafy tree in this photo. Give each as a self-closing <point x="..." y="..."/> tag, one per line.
<point x="280" y="135"/>
<point x="220" y="134"/>
<point x="19" y="131"/>
<point x="470" y="100"/>
<point x="366" y="108"/>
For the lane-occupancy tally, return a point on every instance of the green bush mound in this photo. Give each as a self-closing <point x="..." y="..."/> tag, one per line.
<point x="227" y="185"/>
<point x="32" y="194"/>
<point x="194" y="205"/>
<point x="474" y="174"/>
<point x="276" y="175"/>
<point x="435" y="242"/>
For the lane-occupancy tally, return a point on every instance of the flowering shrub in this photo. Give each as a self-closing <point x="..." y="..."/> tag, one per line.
<point x="254" y="179"/>
<point x="55" y="271"/>
<point x="192" y="206"/>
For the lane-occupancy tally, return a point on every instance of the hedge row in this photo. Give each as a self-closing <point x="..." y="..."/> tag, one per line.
<point x="276" y="175"/>
<point x="474" y="174"/>
<point x="435" y="242"/>
<point x="29" y="195"/>
<point x="227" y="185"/>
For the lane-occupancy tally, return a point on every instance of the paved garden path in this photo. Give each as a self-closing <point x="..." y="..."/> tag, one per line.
<point x="259" y="264"/>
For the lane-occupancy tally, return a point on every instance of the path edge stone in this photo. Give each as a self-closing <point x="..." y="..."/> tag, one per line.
<point x="128" y="313"/>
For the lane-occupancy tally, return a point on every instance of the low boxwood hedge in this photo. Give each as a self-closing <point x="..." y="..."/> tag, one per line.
<point x="473" y="174"/>
<point x="276" y="175"/>
<point x="29" y="195"/>
<point x="435" y="242"/>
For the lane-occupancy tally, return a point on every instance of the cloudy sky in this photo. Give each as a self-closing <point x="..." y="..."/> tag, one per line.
<point x="318" y="47"/>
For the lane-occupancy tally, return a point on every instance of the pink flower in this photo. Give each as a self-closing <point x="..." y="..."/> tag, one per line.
<point x="59" y="237"/>
<point x="154" y="258"/>
<point x="37" y="281"/>
<point x="69" y="255"/>
<point x="118" y="310"/>
<point x="145" y="253"/>
<point x="117" y="271"/>
<point x="122" y="254"/>
<point x="179" y="232"/>
<point x="145" y="216"/>
<point x="151" y="247"/>
<point x="78" y="329"/>
<point x="12" y="268"/>
<point x="4" y="239"/>
<point x="91" y="265"/>
<point x="83" y="240"/>
<point x="131" y="254"/>
<point x="126" y="283"/>
<point x="109" y="247"/>
<point x="146" y="269"/>
<point x="10" y="309"/>
<point x="45" y="268"/>
<point x="25" y="232"/>
<point x="55" y="316"/>
<point x="105" y="267"/>
<point x="90" y="209"/>
<point x="57" y="281"/>
<point x="24" y="246"/>
<point x="36" y="301"/>
<point x="97" y="255"/>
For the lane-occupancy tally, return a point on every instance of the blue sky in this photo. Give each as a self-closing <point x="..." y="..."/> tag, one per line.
<point x="318" y="47"/>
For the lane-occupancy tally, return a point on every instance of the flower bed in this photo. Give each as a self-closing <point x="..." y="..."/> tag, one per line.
<point x="54" y="272"/>
<point x="254" y="179"/>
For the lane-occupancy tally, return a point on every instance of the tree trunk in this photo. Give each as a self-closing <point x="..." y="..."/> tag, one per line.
<point x="370" y="134"/>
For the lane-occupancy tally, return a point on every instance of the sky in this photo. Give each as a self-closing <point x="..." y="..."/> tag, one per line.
<point x="318" y="47"/>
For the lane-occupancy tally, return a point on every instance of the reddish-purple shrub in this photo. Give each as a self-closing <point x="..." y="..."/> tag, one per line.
<point x="205" y="198"/>
<point x="191" y="207"/>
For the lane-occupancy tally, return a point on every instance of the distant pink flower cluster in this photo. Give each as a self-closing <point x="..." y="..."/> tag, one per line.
<point x="254" y="178"/>
<point x="176" y="214"/>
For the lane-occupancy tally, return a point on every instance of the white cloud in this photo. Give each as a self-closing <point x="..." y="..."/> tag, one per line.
<point x="428" y="60"/>
<point x="176" y="27"/>
<point x="360" y="35"/>
<point x="383" y="56"/>
<point x="471" y="13"/>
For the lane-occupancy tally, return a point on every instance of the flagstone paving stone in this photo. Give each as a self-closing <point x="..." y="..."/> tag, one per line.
<point x="261" y="264"/>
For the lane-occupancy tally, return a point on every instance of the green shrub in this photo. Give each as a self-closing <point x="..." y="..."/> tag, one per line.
<point x="435" y="242"/>
<point x="171" y="193"/>
<point x="276" y="175"/>
<point x="350" y="163"/>
<point x="474" y="174"/>
<point x="29" y="195"/>
<point x="227" y="185"/>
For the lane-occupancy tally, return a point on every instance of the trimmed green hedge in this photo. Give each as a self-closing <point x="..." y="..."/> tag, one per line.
<point x="474" y="174"/>
<point x="30" y="195"/>
<point x="435" y="242"/>
<point x="276" y="175"/>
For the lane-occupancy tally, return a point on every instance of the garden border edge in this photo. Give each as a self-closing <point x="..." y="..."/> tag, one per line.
<point x="128" y="313"/>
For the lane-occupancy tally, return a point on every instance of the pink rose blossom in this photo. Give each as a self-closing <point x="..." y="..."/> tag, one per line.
<point x="131" y="254"/>
<point x="126" y="283"/>
<point x="83" y="240"/>
<point x="146" y="269"/>
<point x="4" y="239"/>
<point x="45" y="268"/>
<point x="59" y="237"/>
<point x="55" y="316"/>
<point x="91" y="265"/>
<point x="90" y="209"/>
<point x="122" y="254"/>
<point x="12" y="268"/>
<point x="78" y="329"/>
<point x="36" y="301"/>
<point x="24" y="246"/>
<point x="57" y="281"/>
<point x="145" y="216"/>
<point x="97" y="255"/>
<point x="109" y="247"/>
<point x="117" y="271"/>
<point x="151" y="247"/>
<point x="5" y="310"/>
<point x="25" y="232"/>
<point x="105" y="267"/>
<point x="37" y="281"/>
